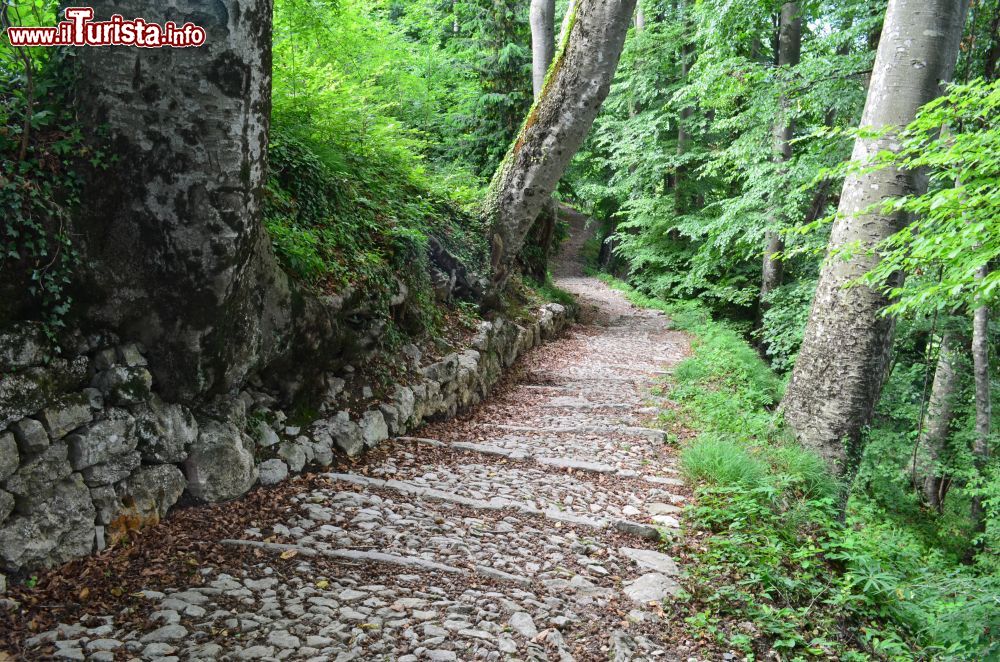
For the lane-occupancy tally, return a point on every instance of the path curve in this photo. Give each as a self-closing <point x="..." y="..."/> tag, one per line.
<point x="528" y="530"/>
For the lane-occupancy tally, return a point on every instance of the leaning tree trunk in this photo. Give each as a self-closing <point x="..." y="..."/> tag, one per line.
<point x="984" y="409"/>
<point x="933" y="438"/>
<point x="789" y="51"/>
<point x="171" y="232"/>
<point x="560" y="119"/>
<point x="842" y="364"/>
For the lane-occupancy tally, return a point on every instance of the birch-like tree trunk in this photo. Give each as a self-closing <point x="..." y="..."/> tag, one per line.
<point x="789" y="52"/>
<point x="940" y="414"/>
<point x="578" y="83"/>
<point x="842" y="364"/>
<point x="984" y="407"/>
<point x="543" y="41"/>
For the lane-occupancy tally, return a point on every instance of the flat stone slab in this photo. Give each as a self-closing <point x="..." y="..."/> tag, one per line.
<point x="651" y="587"/>
<point x="650" y="560"/>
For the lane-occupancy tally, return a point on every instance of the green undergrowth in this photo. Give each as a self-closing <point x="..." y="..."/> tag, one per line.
<point x="775" y="572"/>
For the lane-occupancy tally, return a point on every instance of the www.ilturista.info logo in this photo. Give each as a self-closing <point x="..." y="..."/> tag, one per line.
<point x="79" y="29"/>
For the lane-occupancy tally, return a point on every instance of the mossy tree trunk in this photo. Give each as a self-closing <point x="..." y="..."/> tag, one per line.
<point x="171" y="232"/>
<point x="577" y="84"/>
<point x="842" y="365"/>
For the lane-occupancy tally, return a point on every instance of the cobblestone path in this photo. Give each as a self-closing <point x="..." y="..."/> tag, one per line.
<point x="527" y="531"/>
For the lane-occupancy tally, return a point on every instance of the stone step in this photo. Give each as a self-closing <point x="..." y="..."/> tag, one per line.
<point x="652" y="434"/>
<point x="535" y="452"/>
<point x="596" y="514"/>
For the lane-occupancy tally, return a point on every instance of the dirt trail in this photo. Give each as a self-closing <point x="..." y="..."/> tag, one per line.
<point x="528" y="530"/>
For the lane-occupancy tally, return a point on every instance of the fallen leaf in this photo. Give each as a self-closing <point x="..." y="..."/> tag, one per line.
<point x="289" y="554"/>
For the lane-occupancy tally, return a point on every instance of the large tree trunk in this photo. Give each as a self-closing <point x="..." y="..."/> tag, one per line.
<point x="940" y="414"/>
<point x="555" y="128"/>
<point x="171" y="232"/>
<point x="842" y="364"/>
<point x="984" y="409"/>
<point x="789" y="51"/>
<point x="543" y="41"/>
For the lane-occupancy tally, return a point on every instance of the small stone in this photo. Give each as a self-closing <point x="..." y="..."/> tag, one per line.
<point x="30" y="435"/>
<point x="283" y="639"/>
<point x="523" y="624"/>
<point x="166" y="633"/>
<point x="104" y="645"/>
<point x="256" y="652"/>
<point x="347" y="434"/>
<point x="441" y="656"/>
<point x="69" y="654"/>
<point x="124" y="385"/>
<point x="266" y="436"/>
<point x="630" y="511"/>
<point x="272" y="472"/>
<point x="62" y="418"/>
<point x="158" y="651"/>
<point x="293" y="455"/>
<point x="373" y="428"/>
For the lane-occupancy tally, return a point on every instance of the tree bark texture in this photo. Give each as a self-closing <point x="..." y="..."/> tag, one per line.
<point x="683" y="135"/>
<point x="839" y="373"/>
<point x="171" y="232"/>
<point x="789" y="51"/>
<point x="543" y="41"/>
<point x="984" y="407"/>
<point x="557" y="124"/>
<point x="933" y="438"/>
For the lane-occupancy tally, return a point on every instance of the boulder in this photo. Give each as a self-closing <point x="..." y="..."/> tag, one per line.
<point x="266" y="436"/>
<point x="9" y="458"/>
<point x="124" y="385"/>
<point x="403" y="400"/>
<point x="347" y="434"/>
<point x="24" y="392"/>
<point x="221" y="464"/>
<point x="116" y="469"/>
<point x="66" y="415"/>
<point x="150" y="492"/>
<point x="53" y="531"/>
<point x="322" y="451"/>
<point x="30" y="435"/>
<point x="294" y="455"/>
<point x="273" y="472"/>
<point x="165" y="431"/>
<point x="36" y="478"/>
<point x="373" y="428"/>
<point x="104" y="440"/>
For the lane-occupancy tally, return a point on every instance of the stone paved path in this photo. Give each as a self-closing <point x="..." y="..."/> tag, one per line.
<point x="527" y="531"/>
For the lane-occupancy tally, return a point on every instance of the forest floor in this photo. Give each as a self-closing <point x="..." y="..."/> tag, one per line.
<point x="525" y="530"/>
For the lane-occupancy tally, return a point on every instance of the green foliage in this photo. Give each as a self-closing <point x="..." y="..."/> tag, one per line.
<point x="779" y="574"/>
<point x="39" y="145"/>
<point x="954" y="231"/>
<point x="713" y="460"/>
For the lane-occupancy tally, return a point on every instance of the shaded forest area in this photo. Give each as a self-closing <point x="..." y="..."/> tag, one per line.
<point x="838" y="281"/>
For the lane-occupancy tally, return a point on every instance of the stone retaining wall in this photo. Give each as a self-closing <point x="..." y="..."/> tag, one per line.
<point x="89" y="451"/>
